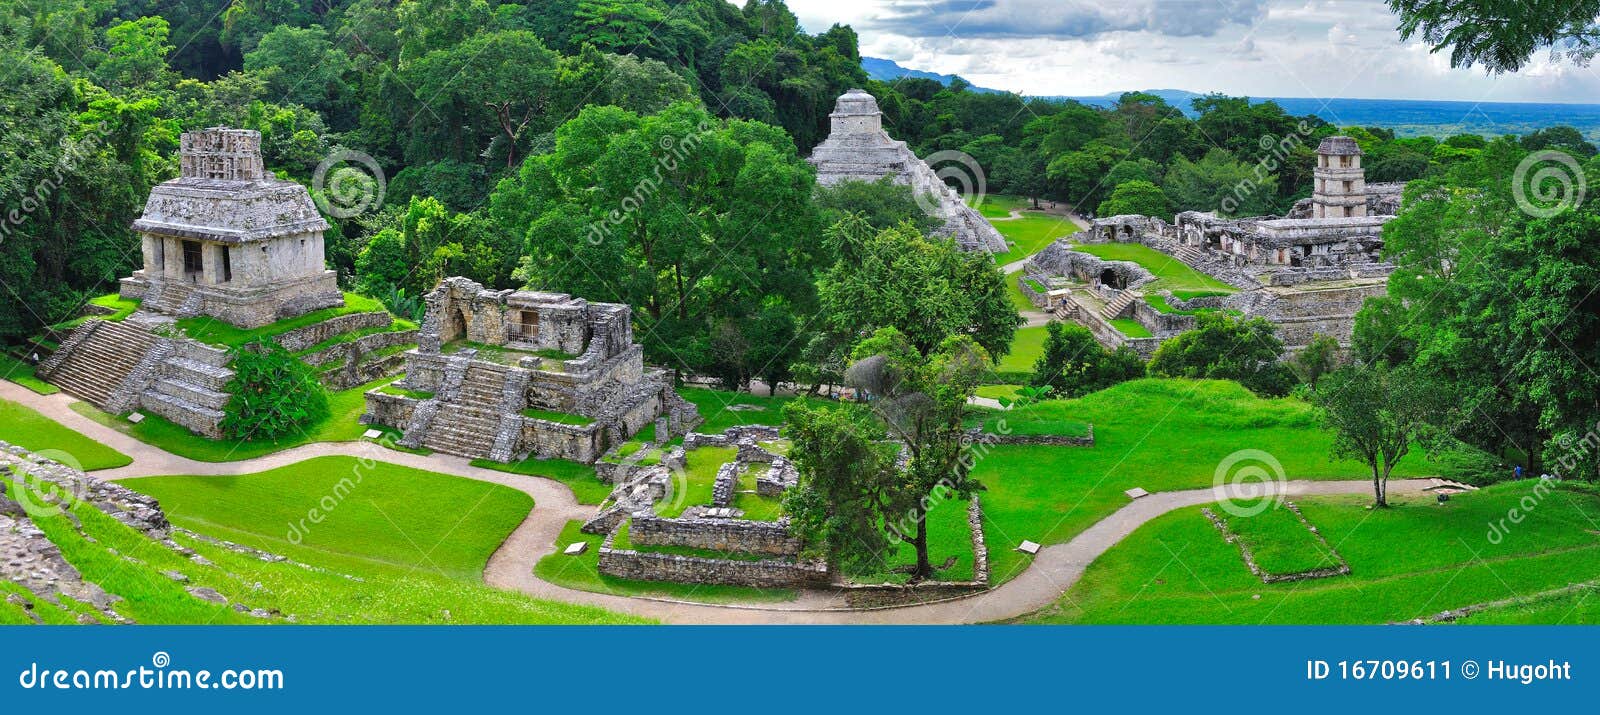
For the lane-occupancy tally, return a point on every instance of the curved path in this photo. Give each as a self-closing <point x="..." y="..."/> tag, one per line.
<point x="1055" y="569"/>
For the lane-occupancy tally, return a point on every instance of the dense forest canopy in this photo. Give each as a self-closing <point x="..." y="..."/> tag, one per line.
<point x="640" y="151"/>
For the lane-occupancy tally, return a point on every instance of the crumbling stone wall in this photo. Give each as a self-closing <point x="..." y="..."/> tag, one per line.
<point x="738" y="535"/>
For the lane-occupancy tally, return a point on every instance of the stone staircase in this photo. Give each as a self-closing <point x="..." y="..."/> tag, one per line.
<point x="468" y="422"/>
<point x="1114" y="309"/>
<point x="189" y="388"/>
<point x="171" y="298"/>
<point x="1189" y="255"/>
<point x="94" y="365"/>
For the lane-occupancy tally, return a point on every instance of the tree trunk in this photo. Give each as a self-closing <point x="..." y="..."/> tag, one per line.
<point x="924" y="569"/>
<point x="1378" y="488"/>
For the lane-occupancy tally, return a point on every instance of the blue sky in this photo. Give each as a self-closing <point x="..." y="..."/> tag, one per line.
<point x="1281" y="48"/>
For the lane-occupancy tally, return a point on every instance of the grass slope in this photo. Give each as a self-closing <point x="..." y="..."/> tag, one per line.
<point x="216" y="332"/>
<point x="1278" y="541"/>
<point x="1031" y="233"/>
<point x="1171" y="273"/>
<point x="1159" y="434"/>
<point x="24" y="374"/>
<point x="128" y="564"/>
<point x="586" y="487"/>
<point x="367" y="514"/>
<point x="1027" y="345"/>
<point x="26" y="428"/>
<point x="1410" y="561"/>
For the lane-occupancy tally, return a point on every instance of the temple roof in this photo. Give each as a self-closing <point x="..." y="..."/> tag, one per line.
<point x="1339" y="146"/>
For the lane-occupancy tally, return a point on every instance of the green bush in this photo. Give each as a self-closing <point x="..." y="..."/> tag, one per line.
<point x="1224" y="348"/>
<point x="273" y="393"/>
<point x="1074" y="364"/>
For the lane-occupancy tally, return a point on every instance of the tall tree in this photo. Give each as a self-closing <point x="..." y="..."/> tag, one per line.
<point x="1376" y="414"/>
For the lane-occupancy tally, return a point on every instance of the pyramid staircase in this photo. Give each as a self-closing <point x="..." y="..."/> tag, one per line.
<point x="99" y="356"/>
<point x="468" y="420"/>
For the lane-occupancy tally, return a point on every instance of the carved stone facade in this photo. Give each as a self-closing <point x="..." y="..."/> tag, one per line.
<point x="508" y="374"/>
<point x="229" y="240"/>
<point x="858" y="148"/>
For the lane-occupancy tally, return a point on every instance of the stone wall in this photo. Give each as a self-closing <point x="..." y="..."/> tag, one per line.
<point x="301" y="338"/>
<point x="392" y="411"/>
<point x="765" y="573"/>
<point x="978" y="436"/>
<point x="738" y="535"/>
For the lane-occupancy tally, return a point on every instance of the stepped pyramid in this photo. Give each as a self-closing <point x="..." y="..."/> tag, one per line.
<point x="858" y="148"/>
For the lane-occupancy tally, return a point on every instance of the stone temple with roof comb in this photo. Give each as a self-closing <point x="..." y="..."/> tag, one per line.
<point x="858" y="148"/>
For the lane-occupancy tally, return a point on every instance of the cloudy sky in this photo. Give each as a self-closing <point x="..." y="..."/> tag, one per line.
<point x="1262" y="48"/>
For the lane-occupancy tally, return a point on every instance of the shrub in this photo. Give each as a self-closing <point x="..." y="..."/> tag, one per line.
<point x="1074" y="364"/>
<point x="1225" y="348"/>
<point x="273" y="393"/>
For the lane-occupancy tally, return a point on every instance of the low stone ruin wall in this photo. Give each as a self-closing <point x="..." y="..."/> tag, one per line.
<point x="1161" y="323"/>
<point x="738" y="535"/>
<point x="766" y="573"/>
<point x="388" y="410"/>
<point x="978" y="436"/>
<point x="730" y="437"/>
<point x="556" y="440"/>
<point x="302" y="338"/>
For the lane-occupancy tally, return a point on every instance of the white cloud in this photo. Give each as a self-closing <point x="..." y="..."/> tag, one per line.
<point x="1262" y="48"/>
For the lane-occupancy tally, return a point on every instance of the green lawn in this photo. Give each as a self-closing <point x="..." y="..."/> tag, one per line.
<point x="1159" y="434"/>
<point x="1026" y="348"/>
<point x="999" y="206"/>
<point x="1047" y="417"/>
<point x="372" y="513"/>
<point x="120" y="307"/>
<point x="576" y="475"/>
<point x="358" y="589"/>
<point x="949" y="542"/>
<point x="995" y="392"/>
<point x="1410" y="561"/>
<point x="1014" y="291"/>
<point x="23" y="374"/>
<point x="1279" y="541"/>
<point x="582" y="572"/>
<point x="216" y="332"/>
<point x="342" y="425"/>
<point x="699" y="480"/>
<point x="1131" y="328"/>
<point x="26" y="428"/>
<point x="1171" y="273"/>
<point x="1031" y="233"/>
<point x="722" y="409"/>
<point x="755" y="506"/>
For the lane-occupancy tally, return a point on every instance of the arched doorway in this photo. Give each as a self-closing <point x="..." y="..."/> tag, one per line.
<point x="455" y="325"/>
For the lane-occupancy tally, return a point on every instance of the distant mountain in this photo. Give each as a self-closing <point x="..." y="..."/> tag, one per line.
<point x="1407" y="117"/>
<point x="888" y="71"/>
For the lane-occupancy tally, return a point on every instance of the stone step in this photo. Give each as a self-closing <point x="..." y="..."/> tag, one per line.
<point x="202" y="374"/>
<point x="199" y="418"/>
<point x="100" y="362"/>
<point x="190" y="392"/>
